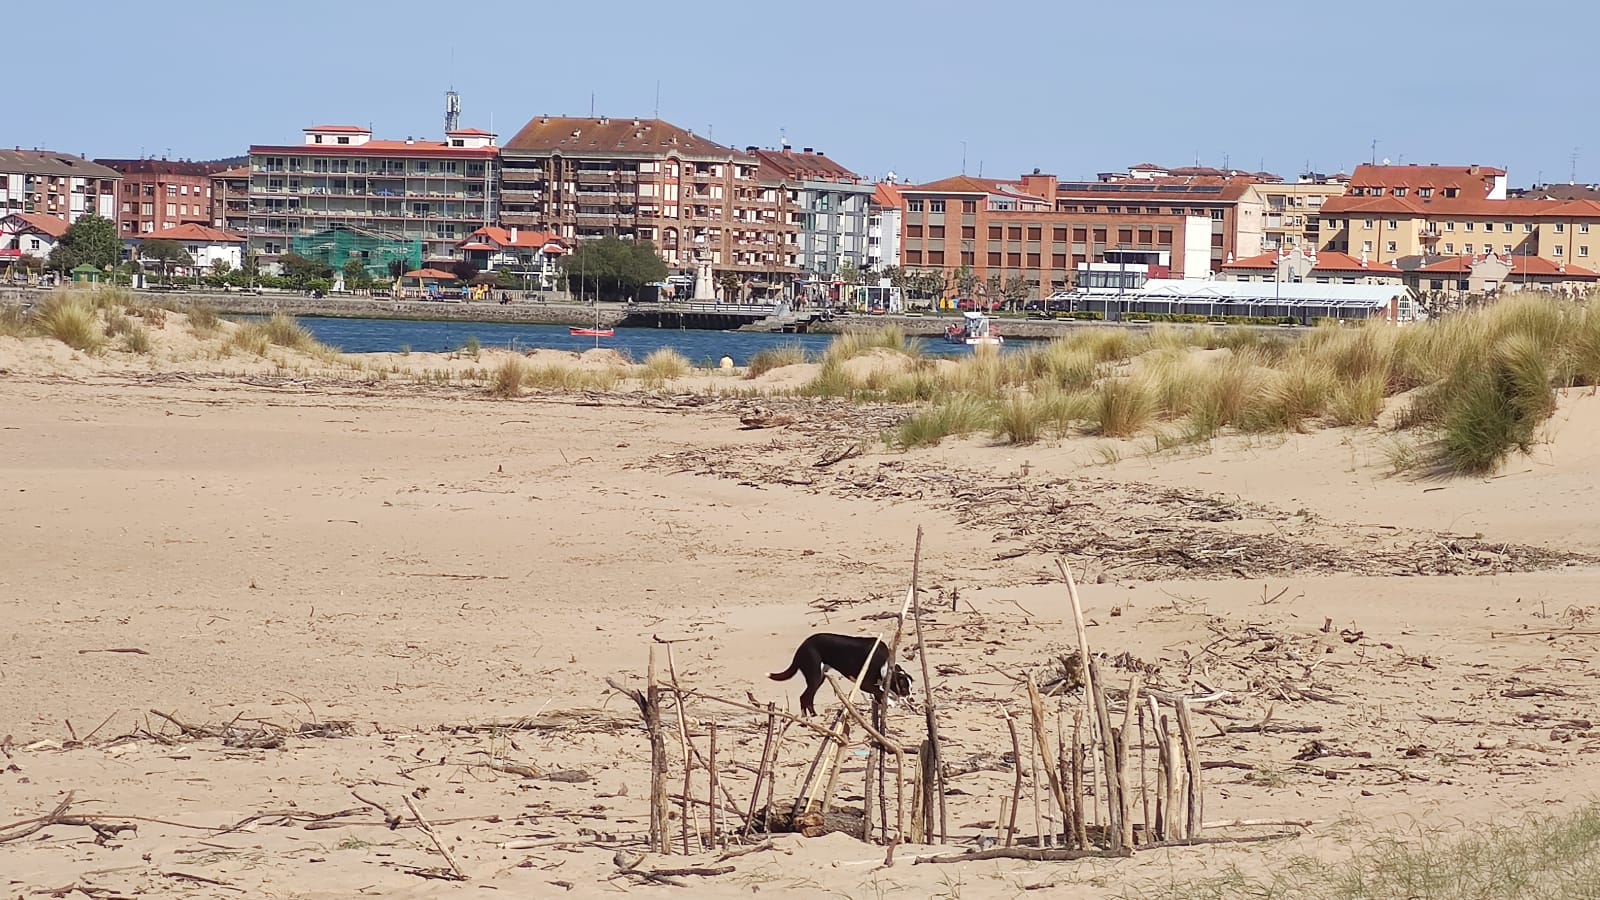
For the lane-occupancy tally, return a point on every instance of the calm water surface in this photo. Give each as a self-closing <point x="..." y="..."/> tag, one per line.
<point x="700" y="346"/>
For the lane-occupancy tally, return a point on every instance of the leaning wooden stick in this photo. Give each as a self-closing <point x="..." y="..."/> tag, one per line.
<point x="687" y="815"/>
<point x="711" y="785"/>
<point x="935" y="762"/>
<point x="1016" y="784"/>
<point x="761" y="770"/>
<point x="1123" y="781"/>
<point x="427" y="829"/>
<point x="1196" y="785"/>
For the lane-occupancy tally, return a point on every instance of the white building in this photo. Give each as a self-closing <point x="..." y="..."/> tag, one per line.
<point x="883" y="227"/>
<point x="204" y="244"/>
<point x="29" y="234"/>
<point x="530" y="255"/>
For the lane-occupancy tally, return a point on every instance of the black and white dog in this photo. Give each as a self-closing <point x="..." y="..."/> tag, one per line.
<point x="846" y="655"/>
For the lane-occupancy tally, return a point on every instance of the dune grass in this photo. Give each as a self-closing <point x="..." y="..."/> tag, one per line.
<point x="13" y="323"/>
<point x="204" y="321"/>
<point x="1124" y="406"/>
<point x="665" y="365"/>
<point x="72" y="318"/>
<point x="956" y="416"/>
<point x="1540" y="858"/>
<point x="856" y="342"/>
<point x="508" y="378"/>
<point x="137" y="340"/>
<point x="561" y="376"/>
<point x="764" y="361"/>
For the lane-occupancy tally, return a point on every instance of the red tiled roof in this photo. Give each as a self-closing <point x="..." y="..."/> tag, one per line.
<point x="472" y="132"/>
<point x="786" y="164"/>
<point x="963" y="184"/>
<point x="190" y="231"/>
<point x="1532" y="266"/>
<point x="887" y="196"/>
<point x="431" y="274"/>
<point x="1470" y="179"/>
<point x="531" y="240"/>
<point x="340" y="129"/>
<point x="604" y="135"/>
<point x="1465" y="206"/>
<point x="1326" y="261"/>
<point x="240" y="172"/>
<point x="49" y="225"/>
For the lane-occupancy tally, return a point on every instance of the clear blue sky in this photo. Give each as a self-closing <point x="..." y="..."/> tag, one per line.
<point x="1072" y="88"/>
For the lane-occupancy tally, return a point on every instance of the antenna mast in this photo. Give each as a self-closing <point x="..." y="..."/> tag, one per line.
<point x="452" y="111"/>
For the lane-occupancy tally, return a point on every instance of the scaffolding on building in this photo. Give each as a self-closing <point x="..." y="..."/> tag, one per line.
<point x="337" y="245"/>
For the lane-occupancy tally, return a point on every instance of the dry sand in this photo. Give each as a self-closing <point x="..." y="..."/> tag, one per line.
<point x="394" y="566"/>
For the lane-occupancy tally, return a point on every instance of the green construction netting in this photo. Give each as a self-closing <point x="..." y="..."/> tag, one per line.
<point x="375" y="250"/>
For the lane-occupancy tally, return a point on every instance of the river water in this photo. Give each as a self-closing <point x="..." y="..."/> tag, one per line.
<point x="701" y="347"/>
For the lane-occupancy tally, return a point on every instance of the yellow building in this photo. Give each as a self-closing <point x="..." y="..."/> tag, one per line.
<point x="1389" y="228"/>
<point x="1292" y="210"/>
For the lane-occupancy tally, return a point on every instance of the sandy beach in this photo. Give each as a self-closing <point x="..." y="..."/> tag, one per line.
<point x="254" y="608"/>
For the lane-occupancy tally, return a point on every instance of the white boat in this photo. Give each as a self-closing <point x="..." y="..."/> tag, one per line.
<point x="974" y="330"/>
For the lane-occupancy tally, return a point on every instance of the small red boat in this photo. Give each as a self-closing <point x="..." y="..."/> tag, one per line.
<point x="592" y="332"/>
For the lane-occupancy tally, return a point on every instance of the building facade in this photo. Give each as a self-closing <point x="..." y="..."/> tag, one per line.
<point x="1230" y="200"/>
<point x="58" y="185"/>
<point x="158" y="194"/>
<point x="698" y="202"/>
<point x="1298" y="265"/>
<point x="1292" y="209"/>
<point x="28" y="237"/>
<point x="433" y="192"/>
<point x="1026" y="229"/>
<point x="230" y="200"/>
<point x="530" y="256"/>
<point x="205" y="245"/>
<point x="1391" y="228"/>
<point x="832" y="207"/>
<point x="883" y="228"/>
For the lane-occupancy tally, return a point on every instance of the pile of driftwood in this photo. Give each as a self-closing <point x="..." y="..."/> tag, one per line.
<point x="1102" y="777"/>
<point x="1135" y="530"/>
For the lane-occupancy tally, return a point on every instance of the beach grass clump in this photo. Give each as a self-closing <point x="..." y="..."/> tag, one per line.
<point x="250" y="338"/>
<point x="471" y="346"/>
<point x="1061" y="364"/>
<point x="1124" y="406"/>
<point x="1488" y="411"/>
<point x="919" y="385"/>
<point x="856" y="342"/>
<point x="204" y="322"/>
<point x="764" y="361"/>
<point x="1359" y="400"/>
<point x="1106" y="344"/>
<point x="955" y="416"/>
<point x="71" y="318"/>
<point x="13" y="323"/>
<point x="137" y="340"/>
<point x="832" y="380"/>
<point x="508" y="378"/>
<point x="665" y="365"/>
<point x="1292" y="395"/>
<point x="1539" y="858"/>
<point x="1021" y="418"/>
<point x="117" y="323"/>
<point x="567" y="377"/>
<point x="283" y="331"/>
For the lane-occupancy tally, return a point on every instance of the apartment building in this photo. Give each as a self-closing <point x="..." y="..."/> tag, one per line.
<point x="1292" y="209"/>
<point x="832" y="207"/>
<point x="1230" y="199"/>
<point x="1429" y="182"/>
<point x="699" y="202"/>
<point x="1391" y="228"/>
<point x="1027" y="228"/>
<point x="432" y="192"/>
<point x="883" y="226"/>
<point x="230" y="200"/>
<point x="59" y="185"/>
<point x="158" y="194"/>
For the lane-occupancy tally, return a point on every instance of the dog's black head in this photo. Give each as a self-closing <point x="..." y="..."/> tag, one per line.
<point x="900" y="683"/>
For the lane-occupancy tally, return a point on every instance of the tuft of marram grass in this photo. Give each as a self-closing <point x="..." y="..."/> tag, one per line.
<point x="203" y="320"/>
<point x="856" y="342"/>
<point x="251" y="338"/>
<point x="508" y="378"/>
<point x="956" y="416"/>
<point x="284" y="331"/>
<point x="71" y="319"/>
<point x="1020" y="418"/>
<point x="137" y="340"/>
<point x="764" y="361"/>
<point x="1498" y="407"/>
<point x="1124" y="406"/>
<point x="665" y="364"/>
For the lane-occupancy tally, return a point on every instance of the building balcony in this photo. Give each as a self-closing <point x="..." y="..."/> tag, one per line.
<point x="598" y="176"/>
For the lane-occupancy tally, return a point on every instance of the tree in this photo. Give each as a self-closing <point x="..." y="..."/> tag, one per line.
<point x="91" y="240"/>
<point x="397" y="268"/>
<point x="1016" y="290"/>
<point x="965" y="280"/>
<point x="355" y="275"/>
<point x="850" y="274"/>
<point x="731" y="283"/>
<point x="614" y="269"/>
<point x="167" y="253"/>
<point x="221" y="267"/>
<point x="465" y="269"/>
<point x="302" y="271"/>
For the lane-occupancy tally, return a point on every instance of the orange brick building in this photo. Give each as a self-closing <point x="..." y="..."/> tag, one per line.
<point x="1030" y="228"/>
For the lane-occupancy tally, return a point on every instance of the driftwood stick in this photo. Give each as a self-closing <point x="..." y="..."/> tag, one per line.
<point x="1080" y="827"/>
<point x="1016" y="783"/>
<point x="1028" y="853"/>
<point x="1144" y="779"/>
<point x="808" y="788"/>
<point x="438" y="842"/>
<point x="1123" y="793"/>
<point x="25" y="828"/>
<point x="1196" y="785"/>
<point x="761" y="770"/>
<point x="391" y="819"/>
<point x="687" y="814"/>
<point x="711" y="786"/>
<point x="935" y="764"/>
<point x="1036" y="707"/>
<point x="1083" y="644"/>
<point x="649" y="703"/>
<point x="1033" y="778"/>
<point x="1107" y="760"/>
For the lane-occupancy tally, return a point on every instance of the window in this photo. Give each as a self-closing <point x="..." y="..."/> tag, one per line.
<point x="1467" y="226"/>
<point x="936" y="206"/>
<point x="1527" y="228"/>
<point x="994" y="259"/>
<point x="936" y="231"/>
<point x="1506" y="249"/>
<point x="1124" y="235"/>
<point x="172" y="190"/>
<point x="1035" y="233"/>
<point x="1216" y="215"/>
<point x="344" y="140"/>
<point x="1462" y="284"/>
<point x="1557" y="250"/>
<point x="1014" y="232"/>
<point x="1399" y="192"/>
<point x="1391" y="247"/>
<point x="1561" y="228"/>
<point x="914" y="205"/>
<point x="147" y="209"/>
<point x="172" y="210"/>
<point x="316" y="139"/>
<point x="1583" y="250"/>
<point x="1467" y="248"/>
<point x="1394" y="225"/>
<point x="996" y="232"/>
<point x="1452" y="193"/>
<point x="1583" y="228"/>
<point x="1060" y="234"/>
<point x="1449" y="226"/>
<point x="1366" y="246"/>
<point x="913" y="230"/>
<point x="969" y="232"/>
<point x="1449" y="249"/>
<point x="969" y="206"/>
<point x="1508" y="228"/>
<point x="1367" y="224"/>
<point x="1425" y="192"/>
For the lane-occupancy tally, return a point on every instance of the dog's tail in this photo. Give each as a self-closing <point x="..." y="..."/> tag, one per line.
<point x="788" y="673"/>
